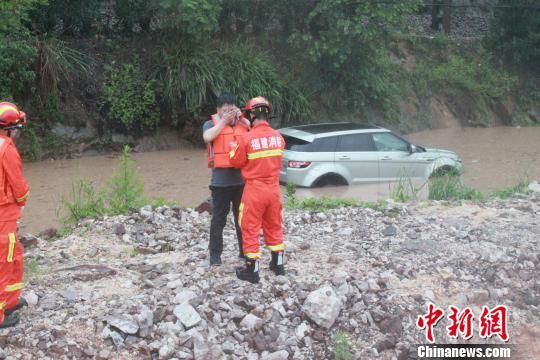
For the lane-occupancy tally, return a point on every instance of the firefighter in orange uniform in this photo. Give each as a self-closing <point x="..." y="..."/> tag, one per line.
<point x="258" y="154"/>
<point x="13" y="193"/>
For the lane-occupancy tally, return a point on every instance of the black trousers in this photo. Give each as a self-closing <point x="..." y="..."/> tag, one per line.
<point x="222" y="198"/>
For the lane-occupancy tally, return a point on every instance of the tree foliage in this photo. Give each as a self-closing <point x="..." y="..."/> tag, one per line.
<point x="130" y="99"/>
<point x="515" y="30"/>
<point x="195" y="78"/>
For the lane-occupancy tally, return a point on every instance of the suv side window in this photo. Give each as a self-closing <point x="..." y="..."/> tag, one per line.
<point x="355" y="142"/>
<point x="324" y="144"/>
<point x="389" y="142"/>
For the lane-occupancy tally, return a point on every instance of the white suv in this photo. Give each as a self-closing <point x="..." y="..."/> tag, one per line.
<point x="348" y="153"/>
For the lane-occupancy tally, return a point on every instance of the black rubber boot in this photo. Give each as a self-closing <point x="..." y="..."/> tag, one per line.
<point x="277" y="263"/>
<point x="9" y="321"/>
<point x="249" y="272"/>
<point x="215" y="260"/>
<point x="20" y="305"/>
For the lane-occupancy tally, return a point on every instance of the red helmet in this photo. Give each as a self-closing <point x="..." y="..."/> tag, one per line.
<point x="257" y="102"/>
<point x="10" y="116"/>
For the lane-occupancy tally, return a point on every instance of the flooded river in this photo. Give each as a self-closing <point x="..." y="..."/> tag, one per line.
<point x="493" y="158"/>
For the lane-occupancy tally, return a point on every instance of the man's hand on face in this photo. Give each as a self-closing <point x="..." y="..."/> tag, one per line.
<point x="229" y="116"/>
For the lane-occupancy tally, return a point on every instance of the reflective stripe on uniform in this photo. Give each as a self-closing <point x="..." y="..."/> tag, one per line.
<point x="2" y="305"/>
<point x="21" y="199"/>
<point x="14" y="287"/>
<point x="280" y="247"/>
<point x="253" y="255"/>
<point x="11" y="247"/>
<point x="265" y="153"/>
<point x="240" y="214"/>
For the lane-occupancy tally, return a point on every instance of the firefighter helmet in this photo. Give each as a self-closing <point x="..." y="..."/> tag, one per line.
<point x="11" y="117"/>
<point x="258" y="103"/>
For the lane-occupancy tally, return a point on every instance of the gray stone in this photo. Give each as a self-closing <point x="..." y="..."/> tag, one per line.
<point x="166" y="351"/>
<point x="478" y="297"/>
<point x="390" y="231"/>
<point x="119" y="229"/>
<point x="184" y="296"/>
<point x="301" y="331"/>
<point x="534" y="187"/>
<point x="251" y="323"/>
<point x="69" y="294"/>
<point x="278" y="355"/>
<point x="373" y="286"/>
<point x="187" y="315"/>
<point x="145" y="319"/>
<point x="146" y="211"/>
<point x="31" y="298"/>
<point x="228" y="347"/>
<point x="322" y="306"/>
<point x="201" y="348"/>
<point x="123" y="323"/>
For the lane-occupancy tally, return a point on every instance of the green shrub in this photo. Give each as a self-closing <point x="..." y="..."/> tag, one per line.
<point x="481" y="80"/>
<point x="521" y="187"/>
<point x="404" y="190"/>
<point x="194" y="77"/>
<point x="122" y="192"/>
<point x="58" y="62"/>
<point x="69" y="16"/>
<point x="84" y="201"/>
<point x="18" y="56"/>
<point x="195" y="19"/>
<point x="125" y="189"/>
<point x="32" y="269"/>
<point x="342" y="350"/>
<point x="130" y="99"/>
<point x="135" y="12"/>
<point x="515" y="32"/>
<point x="451" y="188"/>
<point x="290" y="196"/>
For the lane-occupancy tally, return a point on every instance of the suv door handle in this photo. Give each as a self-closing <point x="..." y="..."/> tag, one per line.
<point x="386" y="158"/>
<point x="344" y="157"/>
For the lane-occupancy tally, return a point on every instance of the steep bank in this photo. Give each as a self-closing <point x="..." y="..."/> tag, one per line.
<point x="441" y="83"/>
<point x="138" y="286"/>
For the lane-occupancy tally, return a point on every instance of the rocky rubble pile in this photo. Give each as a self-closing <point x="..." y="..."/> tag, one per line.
<point x="139" y="286"/>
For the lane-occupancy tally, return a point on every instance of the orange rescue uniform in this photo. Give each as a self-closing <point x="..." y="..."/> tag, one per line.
<point x="13" y="193"/>
<point x="259" y="155"/>
<point x="217" y="150"/>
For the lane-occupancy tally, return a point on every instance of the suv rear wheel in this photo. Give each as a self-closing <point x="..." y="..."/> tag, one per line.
<point x="330" y="180"/>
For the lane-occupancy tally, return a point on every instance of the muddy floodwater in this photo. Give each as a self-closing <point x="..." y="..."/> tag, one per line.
<point x="493" y="158"/>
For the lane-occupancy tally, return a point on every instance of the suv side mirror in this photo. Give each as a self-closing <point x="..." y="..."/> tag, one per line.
<point x="413" y="148"/>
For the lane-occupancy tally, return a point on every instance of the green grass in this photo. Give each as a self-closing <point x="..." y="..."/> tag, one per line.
<point x="314" y="204"/>
<point x="342" y="350"/>
<point x="452" y="188"/>
<point x="32" y="269"/>
<point x="123" y="192"/>
<point x="521" y="187"/>
<point x="404" y="190"/>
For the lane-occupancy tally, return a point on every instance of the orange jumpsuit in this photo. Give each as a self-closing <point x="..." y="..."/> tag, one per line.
<point x="13" y="193"/>
<point x="258" y="154"/>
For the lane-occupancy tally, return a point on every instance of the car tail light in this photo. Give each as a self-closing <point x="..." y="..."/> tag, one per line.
<point x="298" y="164"/>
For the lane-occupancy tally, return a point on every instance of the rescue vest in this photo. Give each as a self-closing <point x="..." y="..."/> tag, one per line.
<point x="217" y="151"/>
<point x="6" y="194"/>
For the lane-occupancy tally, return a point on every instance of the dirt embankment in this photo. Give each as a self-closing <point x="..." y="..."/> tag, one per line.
<point x="138" y="286"/>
